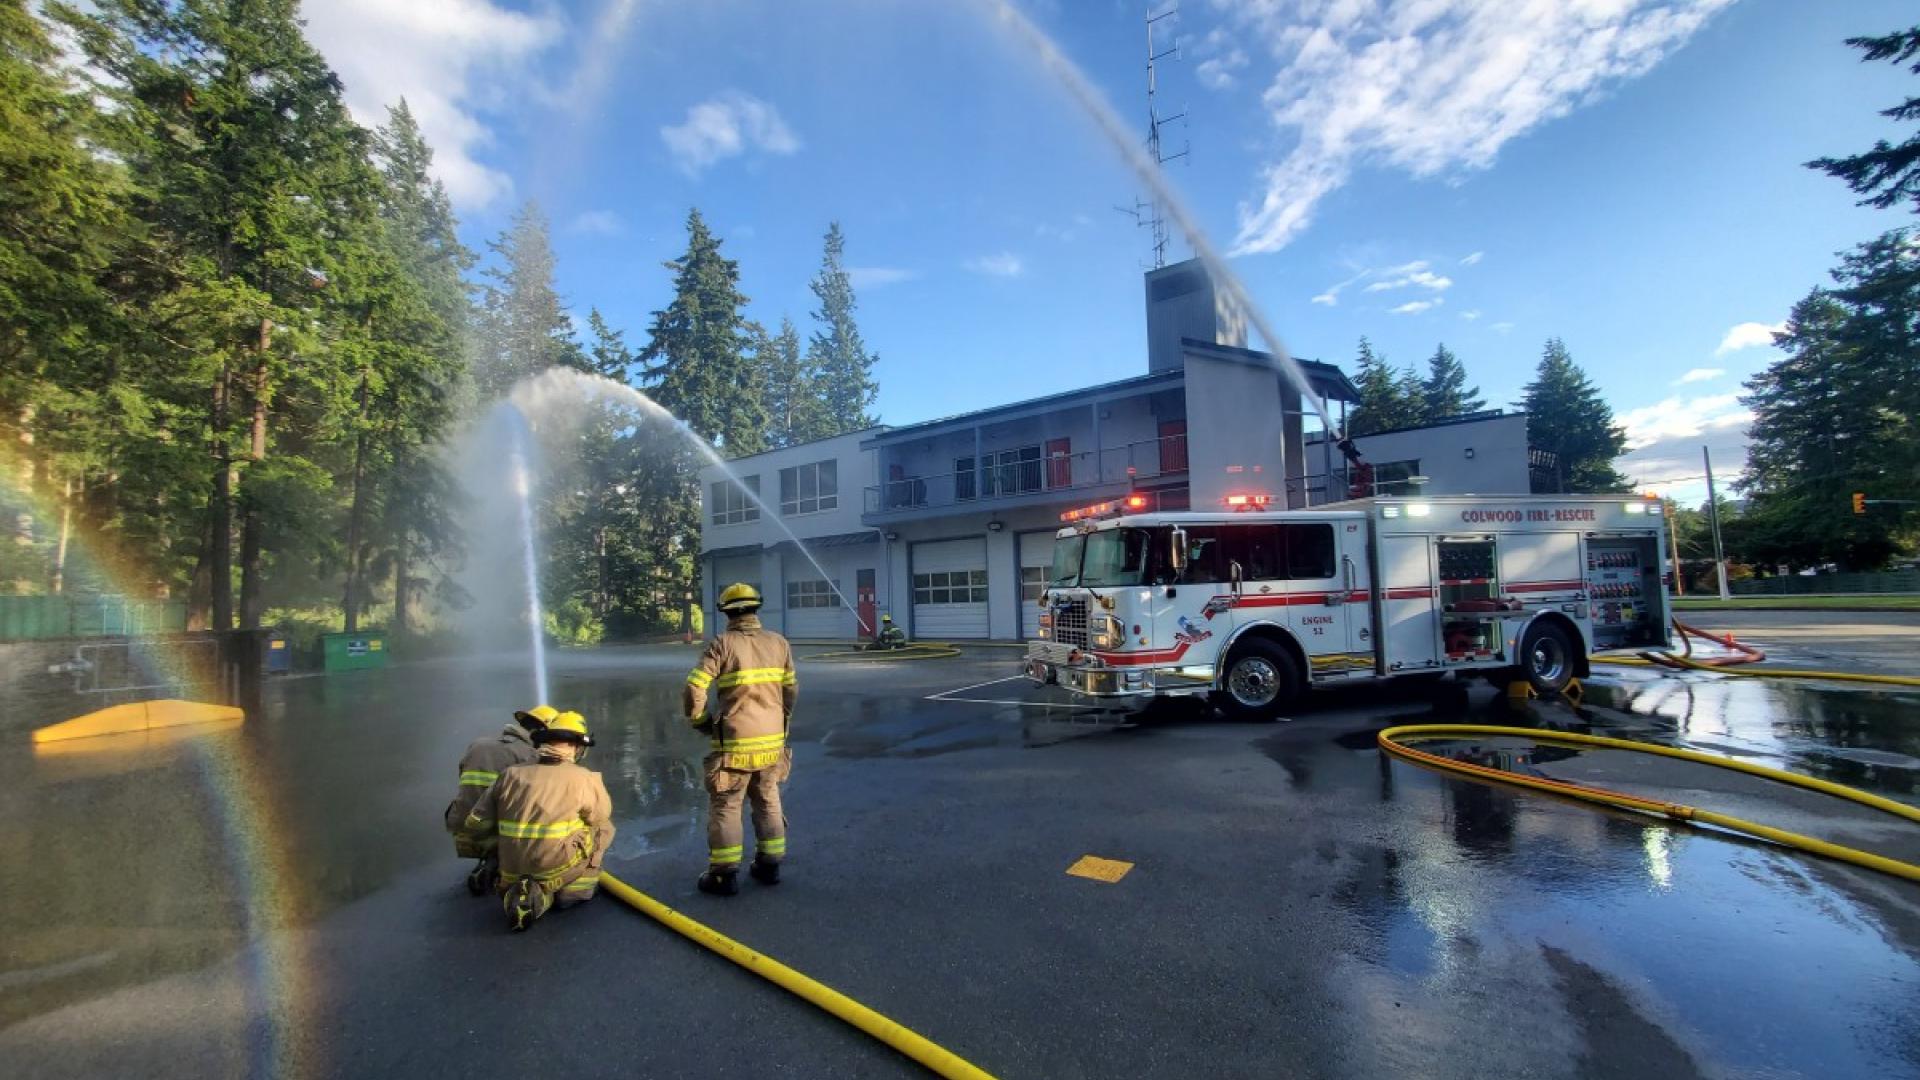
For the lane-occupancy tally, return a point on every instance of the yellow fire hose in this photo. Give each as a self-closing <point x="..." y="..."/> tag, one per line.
<point x="1681" y="662"/>
<point x="919" y="650"/>
<point x="941" y="1061"/>
<point x="1389" y="742"/>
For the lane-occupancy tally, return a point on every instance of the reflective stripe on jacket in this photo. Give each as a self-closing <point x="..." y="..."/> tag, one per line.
<point x="481" y="765"/>
<point x="748" y="671"/>
<point x="549" y="817"/>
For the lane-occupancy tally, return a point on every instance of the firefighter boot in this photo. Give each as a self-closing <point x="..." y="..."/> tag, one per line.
<point x="765" y="872"/>
<point x="482" y="878"/>
<point x="719" y="882"/>
<point x="525" y="901"/>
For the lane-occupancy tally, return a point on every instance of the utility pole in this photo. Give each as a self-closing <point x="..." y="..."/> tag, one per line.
<point x="1713" y="517"/>
<point x="1673" y="545"/>
<point x="1152" y="214"/>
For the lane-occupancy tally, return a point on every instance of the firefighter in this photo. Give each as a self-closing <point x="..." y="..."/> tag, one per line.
<point x="890" y="636"/>
<point x="480" y="766"/>
<point x="750" y="672"/>
<point x="554" y="823"/>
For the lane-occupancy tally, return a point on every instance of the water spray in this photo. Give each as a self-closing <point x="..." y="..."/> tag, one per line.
<point x="522" y="480"/>
<point x="1096" y="107"/>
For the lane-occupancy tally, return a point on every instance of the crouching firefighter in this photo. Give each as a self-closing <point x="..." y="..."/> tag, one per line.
<point x="553" y="822"/>
<point x="480" y="766"/>
<point x="749" y="670"/>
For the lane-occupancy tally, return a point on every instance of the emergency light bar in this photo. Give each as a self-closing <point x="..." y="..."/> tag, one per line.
<point x="1247" y="502"/>
<point x="1111" y="506"/>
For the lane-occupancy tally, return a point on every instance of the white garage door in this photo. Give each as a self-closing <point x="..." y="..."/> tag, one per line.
<point x="950" y="589"/>
<point x="1036" y="559"/>
<point x="814" y="612"/>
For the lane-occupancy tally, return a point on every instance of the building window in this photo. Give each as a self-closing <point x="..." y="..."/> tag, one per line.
<point x="1013" y="472"/>
<point x="1033" y="582"/>
<point x="951" y="587"/>
<point x="964" y="478"/>
<point x="732" y="506"/>
<point x="809" y="489"/>
<point x="1395" y="477"/>
<point x="811" y="594"/>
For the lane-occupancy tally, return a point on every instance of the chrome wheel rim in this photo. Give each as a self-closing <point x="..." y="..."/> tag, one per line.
<point x="1254" y="682"/>
<point x="1548" y="658"/>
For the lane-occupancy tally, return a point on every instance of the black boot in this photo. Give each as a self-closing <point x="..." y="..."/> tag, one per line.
<point x="481" y="879"/>
<point x="719" y="882"/>
<point x="765" y="872"/>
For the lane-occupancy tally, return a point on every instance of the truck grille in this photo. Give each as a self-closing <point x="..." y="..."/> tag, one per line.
<point x="1070" y="623"/>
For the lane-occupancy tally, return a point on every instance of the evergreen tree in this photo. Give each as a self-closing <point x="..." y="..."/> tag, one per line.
<point x="1887" y="174"/>
<point x="838" y="363"/>
<point x="1567" y="417"/>
<point x="796" y="411"/>
<point x="1389" y="399"/>
<point x="524" y="327"/>
<point x="1444" y="393"/>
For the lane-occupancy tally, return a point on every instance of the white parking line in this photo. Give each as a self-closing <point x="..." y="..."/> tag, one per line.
<point x="946" y="695"/>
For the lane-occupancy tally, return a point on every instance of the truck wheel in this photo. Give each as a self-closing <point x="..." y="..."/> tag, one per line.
<point x="1261" y="680"/>
<point x="1547" y="657"/>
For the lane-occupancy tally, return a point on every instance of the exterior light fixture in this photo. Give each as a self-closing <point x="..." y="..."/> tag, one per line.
<point x="995" y="526"/>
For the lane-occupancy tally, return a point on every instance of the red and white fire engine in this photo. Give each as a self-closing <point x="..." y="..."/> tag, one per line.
<point x="1253" y="606"/>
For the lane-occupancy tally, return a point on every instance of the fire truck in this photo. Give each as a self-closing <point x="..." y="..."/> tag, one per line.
<point x="1252" y="607"/>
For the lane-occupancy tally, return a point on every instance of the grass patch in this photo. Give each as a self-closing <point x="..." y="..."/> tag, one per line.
<point x="1799" y="603"/>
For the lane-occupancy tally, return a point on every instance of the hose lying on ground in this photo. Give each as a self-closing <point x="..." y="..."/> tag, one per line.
<point x="1681" y="663"/>
<point x="1744" y="654"/>
<point x="919" y="650"/>
<point x="941" y="1061"/>
<point x="1389" y="742"/>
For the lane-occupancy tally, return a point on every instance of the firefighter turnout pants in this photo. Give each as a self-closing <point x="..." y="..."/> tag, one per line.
<point x="563" y="888"/>
<point x="727" y="789"/>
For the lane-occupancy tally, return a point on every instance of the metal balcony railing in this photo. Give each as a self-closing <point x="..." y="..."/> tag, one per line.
<point x="1000" y="478"/>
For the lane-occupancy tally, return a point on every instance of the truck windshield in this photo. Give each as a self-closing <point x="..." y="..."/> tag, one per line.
<point x="1115" y="557"/>
<point x="1066" y="560"/>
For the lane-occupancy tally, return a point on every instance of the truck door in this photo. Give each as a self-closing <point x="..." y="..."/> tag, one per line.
<point x="1326" y="587"/>
<point x="1409" y="630"/>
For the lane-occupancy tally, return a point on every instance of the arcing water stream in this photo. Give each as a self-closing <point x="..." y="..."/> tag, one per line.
<point x="1096" y="107"/>
<point x="559" y="387"/>
<point x="523" y="491"/>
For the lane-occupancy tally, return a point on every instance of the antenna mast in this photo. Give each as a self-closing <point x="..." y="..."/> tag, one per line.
<point x="1156" y="219"/>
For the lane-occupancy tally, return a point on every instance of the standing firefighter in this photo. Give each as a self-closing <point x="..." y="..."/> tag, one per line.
<point x="750" y="672"/>
<point x="554" y="822"/>
<point x="480" y="766"/>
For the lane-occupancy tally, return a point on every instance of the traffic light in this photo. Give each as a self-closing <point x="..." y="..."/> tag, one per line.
<point x="1859" y="502"/>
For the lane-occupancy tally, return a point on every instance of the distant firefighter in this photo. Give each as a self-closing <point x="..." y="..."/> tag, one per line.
<point x="480" y="766"/>
<point x="890" y="636"/>
<point x="553" y="822"/>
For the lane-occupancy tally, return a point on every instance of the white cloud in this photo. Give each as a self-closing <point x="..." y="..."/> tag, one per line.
<point x="1747" y="335"/>
<point x="1502" y="327"/>
<point x="1470" y="314"/>
<point x="1223" y="57"/>
<point x="598" y="223"/>
<point x="725" y="126"/>
<point x="448" y="58"/>
<point x="1413" y="273"/>
<point x="1431" y="86"/>
<point x="1330" y="298"/>
<point x="1699" y="374"/>
<point x="1682" y="418"/>
<point x="1003" y="264"/>
<point x="1473" y="259"/>
<point x="1415" y="307"/>
<point x="873" y="277"/>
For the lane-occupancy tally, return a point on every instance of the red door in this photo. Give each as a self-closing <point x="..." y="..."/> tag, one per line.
<point x="1059" y="463"/>
<point x="864" y="600"/>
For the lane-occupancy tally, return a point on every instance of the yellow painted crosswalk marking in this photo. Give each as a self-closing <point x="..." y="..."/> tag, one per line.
<point x="1099" y="869"/>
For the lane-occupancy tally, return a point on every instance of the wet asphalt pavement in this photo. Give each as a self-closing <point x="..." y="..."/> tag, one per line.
<point x="279" y="898"/>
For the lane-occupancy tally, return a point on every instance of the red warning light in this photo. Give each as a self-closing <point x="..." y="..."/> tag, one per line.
<point x="1136" y="502"/>
<point x="1236" y="500"/>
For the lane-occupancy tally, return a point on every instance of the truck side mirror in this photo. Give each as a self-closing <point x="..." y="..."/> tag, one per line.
<point x="1177" y="557"/>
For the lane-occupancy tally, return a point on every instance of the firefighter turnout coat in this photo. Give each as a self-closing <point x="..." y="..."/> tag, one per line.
<point x="742" y="691"/>
<point x="480" y="766"/>
<point x="553" y="819"/>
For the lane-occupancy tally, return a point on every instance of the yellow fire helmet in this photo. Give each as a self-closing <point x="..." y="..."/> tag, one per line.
<point x="739" y="599"/>
<point x="537" y="717"/>
<point x="565" y="727"/>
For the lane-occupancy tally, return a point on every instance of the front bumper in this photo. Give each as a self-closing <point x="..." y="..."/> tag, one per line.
<point x="1088" y="680"/>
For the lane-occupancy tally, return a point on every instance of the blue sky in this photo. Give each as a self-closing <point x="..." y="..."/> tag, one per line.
<point x="1623" y="174"/>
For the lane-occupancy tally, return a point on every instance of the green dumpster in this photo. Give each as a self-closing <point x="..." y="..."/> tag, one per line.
<point x="354" y="652"/>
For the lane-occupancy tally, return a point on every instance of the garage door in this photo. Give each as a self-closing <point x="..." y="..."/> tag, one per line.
<point x="814" y="612"/>
<point x="950" y="589"/>
<point x="1036" y="559"/>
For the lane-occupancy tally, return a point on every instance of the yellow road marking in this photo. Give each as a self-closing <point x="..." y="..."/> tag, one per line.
<point x="1099" y="869"/>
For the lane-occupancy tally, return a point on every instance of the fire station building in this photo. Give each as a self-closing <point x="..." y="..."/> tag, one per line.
<point x="948" y="524"/>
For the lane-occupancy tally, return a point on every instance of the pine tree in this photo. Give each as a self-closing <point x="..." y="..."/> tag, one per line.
<point x="795" y="409"/>
<point x="524" y="327"/>
<point x="1389" y="399"/>
<point x="837" y="359"/>
<point x="1567" y="417"/>
<point x="1887" y="174"/>
<point x="1444" y="393"/>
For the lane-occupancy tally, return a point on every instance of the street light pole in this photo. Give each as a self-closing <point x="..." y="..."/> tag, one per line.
<point x="1713" y="516"/>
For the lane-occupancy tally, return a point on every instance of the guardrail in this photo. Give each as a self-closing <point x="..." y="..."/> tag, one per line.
<point x="1901" y="581"/>
<point x="1003" y="479"/>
